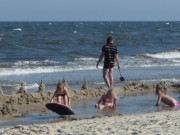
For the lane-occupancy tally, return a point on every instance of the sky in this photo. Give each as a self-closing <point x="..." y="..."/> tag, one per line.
<point x="89" y="10"/>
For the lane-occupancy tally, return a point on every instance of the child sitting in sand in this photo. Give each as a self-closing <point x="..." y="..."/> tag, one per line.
<point x="107" y="100"/>
<point x="61" y="92"/>
<point x="167" y="100"/>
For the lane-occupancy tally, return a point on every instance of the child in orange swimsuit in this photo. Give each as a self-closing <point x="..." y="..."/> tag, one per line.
<point x="167" y="100"/>
<point x="61" y="92"/>
<point x="107" y="100"/>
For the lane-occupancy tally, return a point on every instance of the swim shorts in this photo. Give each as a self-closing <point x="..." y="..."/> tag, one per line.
<point x="108" y="67"/>
<point x="175" y="104"/>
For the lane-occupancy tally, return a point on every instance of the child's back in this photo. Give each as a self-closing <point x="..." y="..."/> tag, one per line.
<point x="168" y="100"/>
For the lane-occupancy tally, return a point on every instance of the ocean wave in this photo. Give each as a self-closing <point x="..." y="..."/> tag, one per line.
<point x="75" y="32"/>
<point x="175" y="80"/>
<point x="177" y="61"/>
<point x="33" y="70"/>
<point x="20" y="70"/>
<point x="85" y="59"/>
<point x="146" y="65"/>
<point x="36" y="63"/>
<point x="30" y="86"/>
<point x="17" y="29"/>
<point x="78" y="64"/>
<point x="144" y="60"/>
<point x="164" y="55"/>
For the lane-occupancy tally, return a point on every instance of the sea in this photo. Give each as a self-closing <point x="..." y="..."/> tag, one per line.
<point x="31" y="52"/>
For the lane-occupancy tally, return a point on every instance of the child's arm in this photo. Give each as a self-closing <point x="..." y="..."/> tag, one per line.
<point x="159" y="100"/>
<point x="101" y="99"/>
<point x="53" y="97"/>
<point x="117" y="60"/>
<point x="115" y="102"/>
<point x="68" y="96"/>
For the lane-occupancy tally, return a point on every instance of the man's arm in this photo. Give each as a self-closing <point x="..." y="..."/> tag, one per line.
<point x="117" y="60"/>
<point x="100" y="58"/>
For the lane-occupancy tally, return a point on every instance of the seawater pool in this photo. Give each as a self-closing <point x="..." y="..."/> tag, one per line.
<point x="144" y="103"/>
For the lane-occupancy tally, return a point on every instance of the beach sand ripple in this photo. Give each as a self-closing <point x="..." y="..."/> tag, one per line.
<point x="158" y="123"/>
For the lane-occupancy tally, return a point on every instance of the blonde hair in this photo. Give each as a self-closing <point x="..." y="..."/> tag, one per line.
<point x="111" y="92"/>
<point x="60" y="86"/>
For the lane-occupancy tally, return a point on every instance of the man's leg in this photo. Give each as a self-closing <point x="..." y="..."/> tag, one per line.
<point x="105" y="73"/>
<point x="111" y="77"/>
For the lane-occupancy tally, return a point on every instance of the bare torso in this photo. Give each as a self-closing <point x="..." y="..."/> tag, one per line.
<point x="167" y="99"/>
<point x="108" y="101"/>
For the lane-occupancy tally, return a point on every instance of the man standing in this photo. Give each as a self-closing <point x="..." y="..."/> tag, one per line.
<point x="109" y="52"/>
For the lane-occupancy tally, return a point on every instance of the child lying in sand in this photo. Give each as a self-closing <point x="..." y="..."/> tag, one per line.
<point x="167" y="100"/>
<point x="107" y="100"/>
<point x="61" y="91"/>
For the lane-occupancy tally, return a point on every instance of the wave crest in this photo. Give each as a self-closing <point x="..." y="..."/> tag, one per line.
<point x="18" y="29"/>
<point x="164" y="55"/>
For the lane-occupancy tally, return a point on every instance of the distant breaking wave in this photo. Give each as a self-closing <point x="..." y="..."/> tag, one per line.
<point x="169" y="58"/>
<point x="17" y="71"/>
<point x="18" y="29"/>
<point x="85" y="59"/>
<point x="165" y="55"/>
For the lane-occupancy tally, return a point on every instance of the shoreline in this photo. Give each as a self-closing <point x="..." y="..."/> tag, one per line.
<point x="166" y="122"/>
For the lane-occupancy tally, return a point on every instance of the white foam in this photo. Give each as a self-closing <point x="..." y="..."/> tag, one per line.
<point x="161" y="80"/>
<point x="50" y="23"/>
<point x="165" y="55"/>
<point x="167" y="23"/>
<point x="146" y="65"/>
<point x="18" y="71"/>
<point x="23" y="63"/>
<point x="100" y="83"/>
<point x="0" y="38"/>
<point x="18" y="29"/>
<point x="177" y="61"/>
<point x="85" y="59"/>
<point x="75" y="32"/>
<point x="30" y="86"/>
<point x="51" y="61"/>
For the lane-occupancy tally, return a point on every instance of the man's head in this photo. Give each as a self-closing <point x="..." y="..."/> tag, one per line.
<point x="110" y="40"/>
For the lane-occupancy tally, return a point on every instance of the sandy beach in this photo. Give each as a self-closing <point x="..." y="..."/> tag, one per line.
<point x="164" y="122"/>
<point x="159" y="123"/>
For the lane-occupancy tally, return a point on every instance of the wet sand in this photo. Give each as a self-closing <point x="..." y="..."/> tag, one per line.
<point x="165" y="123"/>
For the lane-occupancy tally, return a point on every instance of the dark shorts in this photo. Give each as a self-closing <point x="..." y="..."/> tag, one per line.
<point x="109" y="66"/>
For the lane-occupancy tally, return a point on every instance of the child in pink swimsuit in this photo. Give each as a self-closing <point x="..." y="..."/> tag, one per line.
<point x="107" y="100"/>
<point x="167" y="100"/>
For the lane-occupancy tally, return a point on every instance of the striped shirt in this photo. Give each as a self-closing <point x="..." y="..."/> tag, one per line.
<point x="109" y="54"/>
